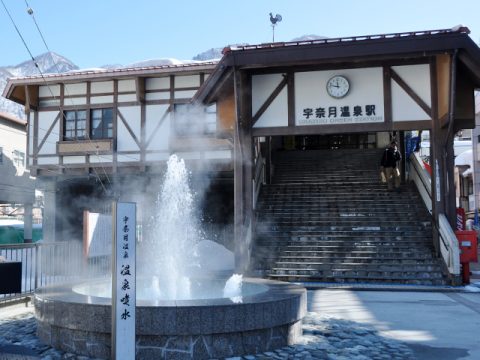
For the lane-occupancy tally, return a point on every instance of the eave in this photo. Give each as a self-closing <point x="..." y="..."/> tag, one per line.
<point x="15" y="89"/>
<point x="349" y="51"/>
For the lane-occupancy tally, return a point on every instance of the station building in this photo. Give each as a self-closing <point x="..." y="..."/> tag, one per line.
<point x="269" y="132"/>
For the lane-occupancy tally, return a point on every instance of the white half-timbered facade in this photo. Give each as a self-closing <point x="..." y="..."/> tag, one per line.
<point x="93" y="134"/>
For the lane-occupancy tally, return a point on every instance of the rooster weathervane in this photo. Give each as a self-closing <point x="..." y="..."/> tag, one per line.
<point x="274" y="21"/>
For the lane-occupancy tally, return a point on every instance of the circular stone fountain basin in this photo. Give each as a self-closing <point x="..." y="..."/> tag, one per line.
<point x="266" y="316"/>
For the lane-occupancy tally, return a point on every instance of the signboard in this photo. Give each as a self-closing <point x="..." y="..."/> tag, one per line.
<point x="363" y="101"/>
<point x="123" y="280"/>
<point x="97" y="235"/>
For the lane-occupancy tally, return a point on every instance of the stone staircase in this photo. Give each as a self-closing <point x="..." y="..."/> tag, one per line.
<point x="327" y="218"/>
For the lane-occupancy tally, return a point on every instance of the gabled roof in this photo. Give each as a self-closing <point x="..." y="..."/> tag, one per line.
<point x="343" y="50"/>
<point x="104" y="74"/>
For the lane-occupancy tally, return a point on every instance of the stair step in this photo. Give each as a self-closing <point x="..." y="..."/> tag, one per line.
<point x="348" y="266"/>
<point x="412" y="280"/>
<point x="322" y="259"/>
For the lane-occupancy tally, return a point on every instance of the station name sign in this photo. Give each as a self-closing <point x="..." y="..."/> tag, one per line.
<point x="329" y="115"/>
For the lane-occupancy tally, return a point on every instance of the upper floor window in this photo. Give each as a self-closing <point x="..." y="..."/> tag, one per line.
<point x="75" y="125"/>
<point x="83" y="124"/>
<point x="194" y="120"/>
<point x="101" y="124"/>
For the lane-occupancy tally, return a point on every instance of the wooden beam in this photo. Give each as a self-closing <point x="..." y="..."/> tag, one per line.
<point x="341" y="128"/>
<point x="410" y="92"/>
<point x="35" y="138"/>
<point x="140" y="89"/>
<point x="291" y="98"/>
<point x="387" y="94"/>
<point x="27" y="100"/>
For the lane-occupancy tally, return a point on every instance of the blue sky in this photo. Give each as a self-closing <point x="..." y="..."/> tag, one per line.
<point x="98" y="32"/>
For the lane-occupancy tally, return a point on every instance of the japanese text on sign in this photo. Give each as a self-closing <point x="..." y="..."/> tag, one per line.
<point x="340" y="114"/>
<point x="124" y="298"/>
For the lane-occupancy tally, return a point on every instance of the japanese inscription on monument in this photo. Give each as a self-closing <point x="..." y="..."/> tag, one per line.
<point x="124" y="280"/>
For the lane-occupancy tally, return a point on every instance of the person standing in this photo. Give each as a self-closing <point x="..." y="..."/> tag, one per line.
<point x="390" y="159"/>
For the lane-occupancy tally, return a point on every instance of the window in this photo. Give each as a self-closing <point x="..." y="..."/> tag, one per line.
<point x="101" y="124"/>
<point x="18" y="158"/>
<point x="99" y="121"/>
<point x="1" y="155"/>
<point x="193" y="120"/>
<point x="75" y="125"/>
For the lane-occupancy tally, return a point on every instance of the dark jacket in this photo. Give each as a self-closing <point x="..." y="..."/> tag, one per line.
<point x="391" y="157"/>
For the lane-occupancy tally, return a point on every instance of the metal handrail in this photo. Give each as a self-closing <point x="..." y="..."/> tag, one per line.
<point x="43" y="264"/>
<point x="448" y="241"/>
<point x="421" y="178"/>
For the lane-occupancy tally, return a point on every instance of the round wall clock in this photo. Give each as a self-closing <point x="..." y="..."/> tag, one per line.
<point x="338" y="86"/>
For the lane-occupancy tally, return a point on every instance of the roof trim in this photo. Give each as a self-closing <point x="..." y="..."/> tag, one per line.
<point x="411" y="34"/>
<point x="12" y="118"/>
<point x="344" y="50"/>
<point x="106" y="74"/>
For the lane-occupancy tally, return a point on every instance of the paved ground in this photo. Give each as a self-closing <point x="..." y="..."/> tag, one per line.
<point x="433" y="325"/>
<point x="341" y="324"/>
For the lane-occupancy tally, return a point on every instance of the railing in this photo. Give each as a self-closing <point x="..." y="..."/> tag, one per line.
<point x="449" y="246"/>
<point x="421" y="178"/>
<point x="44" y="264"/>
<point x="448" y="243"/>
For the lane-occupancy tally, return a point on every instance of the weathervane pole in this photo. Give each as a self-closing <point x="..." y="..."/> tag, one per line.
<point x="274" y="21"/>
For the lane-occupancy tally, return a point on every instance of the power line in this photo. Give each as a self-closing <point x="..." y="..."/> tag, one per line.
<point x="30" y="11"/>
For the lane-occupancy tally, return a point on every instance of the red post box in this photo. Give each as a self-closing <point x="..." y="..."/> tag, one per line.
<point x="467" y="241"/>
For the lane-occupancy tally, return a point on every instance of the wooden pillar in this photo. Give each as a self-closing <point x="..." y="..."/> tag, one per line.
<point x="243" y="171"/>
<point x="27" y="222"/>
<point x="443" y="77"/>
<point x="437" y="163"/>
<point x="49" y="226"/>
<point x="450" y="196"/>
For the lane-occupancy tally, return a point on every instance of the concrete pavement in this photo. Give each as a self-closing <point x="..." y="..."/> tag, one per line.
<point x="434" y="325"/>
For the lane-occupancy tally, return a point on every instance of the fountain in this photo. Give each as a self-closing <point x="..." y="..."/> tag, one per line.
<point x="182" y="311"/>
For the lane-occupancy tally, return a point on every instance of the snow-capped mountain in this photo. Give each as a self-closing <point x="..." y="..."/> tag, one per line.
<point x="213" y="53"/>
<point x="48" y="63"/>
<point x="309" y="38"/>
